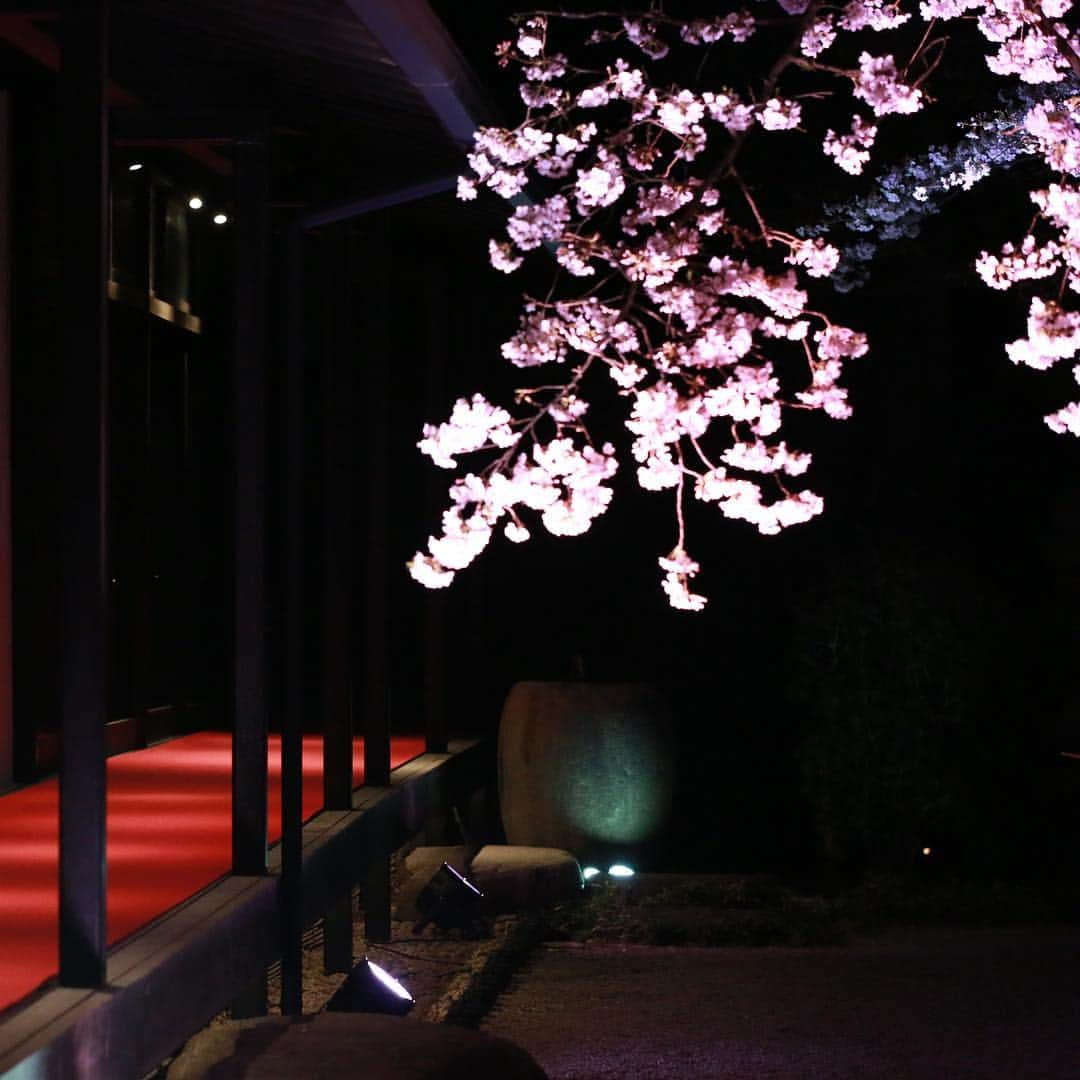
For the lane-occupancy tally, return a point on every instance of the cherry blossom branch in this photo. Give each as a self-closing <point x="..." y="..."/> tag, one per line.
<point x="633" y="187"/>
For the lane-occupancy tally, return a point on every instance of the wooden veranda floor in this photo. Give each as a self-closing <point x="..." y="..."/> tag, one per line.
<point x="168" y="836"/>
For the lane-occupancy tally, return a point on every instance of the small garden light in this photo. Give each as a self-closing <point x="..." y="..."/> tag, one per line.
<point x="590" y="872"/>
<point x="369" y="988"/>
<point x="620" y="870"/>
<point x="195" y="202"/>
<point x="448" y="900"/>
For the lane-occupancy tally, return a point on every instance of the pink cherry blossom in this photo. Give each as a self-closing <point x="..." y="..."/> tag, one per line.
<point x="428" y="572"/>
<point x="600" y="185"/>
<point x="878" y="84"/>
<point x="818" y="36"/>
<point x="1056" y="126"/>
<point x="873" y="15"/>
<point x="779" y="114"/>
<point x="727" y="109"/>
<point x="819" y="257"/>
<point x="1026" y="263"/>
<point x="539" y="340"/>
<point x="852" y="151"/>
<point x="1066" y="420"/>
<point x="503" y="257"/>
<point x="681" y="113"/>
<point x="670" y="272"/>
<point x="473" y="424"/>
<point x="515" y="532"/>
<point x="530" y="226"/>
<point x="678" y="568"/>
<point x="947" y="9"/>
<point x="738" y="26"/>
<point x="1053" y="335"/>
<point x="532" y="35"/>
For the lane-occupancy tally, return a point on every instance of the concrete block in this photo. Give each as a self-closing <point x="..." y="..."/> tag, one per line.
<point x="513" y="877"/>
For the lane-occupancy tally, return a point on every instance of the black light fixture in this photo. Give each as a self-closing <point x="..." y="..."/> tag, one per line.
<point x="368" y="988"/>
<point x="448" y="900"/>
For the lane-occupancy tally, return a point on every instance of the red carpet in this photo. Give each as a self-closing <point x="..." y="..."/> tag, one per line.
<point x="168" y="835"/>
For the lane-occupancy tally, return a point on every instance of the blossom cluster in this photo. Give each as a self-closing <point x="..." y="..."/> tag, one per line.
<point x="905" y="195"/>
<point x="673" y="290"/>
<point x="1040" y="50"/>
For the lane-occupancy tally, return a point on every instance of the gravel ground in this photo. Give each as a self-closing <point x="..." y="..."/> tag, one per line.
<point x="992" y="1004"/>
<point x="453" y="977"/>
<point x="436" y="969"/>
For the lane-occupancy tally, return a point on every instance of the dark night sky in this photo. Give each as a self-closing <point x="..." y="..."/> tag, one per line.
<point x="938" y="590"/>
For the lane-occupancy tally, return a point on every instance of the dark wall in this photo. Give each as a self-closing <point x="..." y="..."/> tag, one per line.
<point x="166" y="442"/>
<point x="892" y="675"/>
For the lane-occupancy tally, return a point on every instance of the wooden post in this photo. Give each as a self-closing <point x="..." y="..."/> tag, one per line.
<point x="252" y="1001"/>
<point x="7" y="725"/>
<point x="338" y="478"/>
<point x="338" y="934"/>
<point x="83" y="461"/>
<point x="435" y="307"/>
<point x="376" y="896"/>
<point x="249" y="684"/>
<point x="338" y="416"/>
<point x="375" y="656"/>
<point x="292" y="730"/>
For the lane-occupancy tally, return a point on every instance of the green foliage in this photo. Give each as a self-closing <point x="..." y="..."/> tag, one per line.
<point x="884" y="899"/>
<point x="699" y="910"/>
<point x="755" y="910"/>
<point x="881" y="682"/>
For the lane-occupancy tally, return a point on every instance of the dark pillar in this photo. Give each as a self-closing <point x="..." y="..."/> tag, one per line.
<point x="374" y="596"/>
<point x="338" y="366"/>
<point x="338" y="934"/>
<point x="7" y="727"/>
<point x="82" y="461"/>
<point x="435" y="307"/>
<point x="249" y="520"/>
<point x="252" y="1001"/>
<point x="293" y="627"/>
<point x="376" y="896"/>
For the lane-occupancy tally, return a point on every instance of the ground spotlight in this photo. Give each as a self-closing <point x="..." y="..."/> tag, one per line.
<point x="195" y="202"/>
<point x="221" y="219"/>
<point x="590" y="872"/>
<point x="449" y="899"/>
<point x="135" y="166"/>
<point x="369" y="988"/>
<point x="620" y="870"/>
